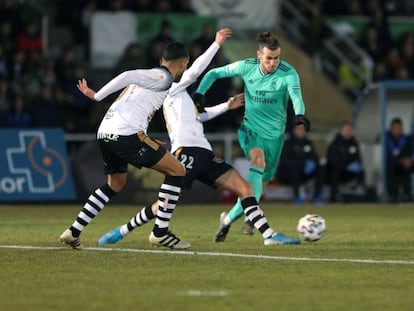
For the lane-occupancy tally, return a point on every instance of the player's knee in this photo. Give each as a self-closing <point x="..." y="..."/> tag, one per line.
<point x="180" y="170"/>
<point x="258" y="160"/>
<point x="177" y="170"/>
<point x="117" y="185"/>
<point x="117" y="181"/>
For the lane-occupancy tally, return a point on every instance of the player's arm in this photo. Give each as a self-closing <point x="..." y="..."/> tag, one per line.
<point x="201" y="63"/>
<point x="227" y="71"/>
<point x="295" y="94"/>
<point x="233" y="102"/>
<point x="146" y="78"/>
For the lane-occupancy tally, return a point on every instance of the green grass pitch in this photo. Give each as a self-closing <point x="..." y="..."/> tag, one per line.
<point x="364" y="262"/>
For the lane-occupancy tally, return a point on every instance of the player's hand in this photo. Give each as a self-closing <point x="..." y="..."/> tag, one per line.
<point x="236" y="101"/>
<point x="301" y="119"/>
<point x="85" y="89"/>
<point x="222" y="35"/>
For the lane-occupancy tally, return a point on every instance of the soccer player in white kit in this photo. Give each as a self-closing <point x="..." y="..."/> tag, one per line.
<point x="123" y="140"/>
<point x="190" y="145"/>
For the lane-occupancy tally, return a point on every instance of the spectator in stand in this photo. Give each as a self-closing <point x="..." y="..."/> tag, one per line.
<point x="7" y="96"/>
<point x="163" y="6"/>
<point x="75" y="107"/>
<point x="407" y="52"/>
<point x="338" y="7"/>
<point x="30" y="41"/>
<point x="158" y="42"/>
<point x="183" y="6"/>
<point x="45" y="109"/>
<point x="370" y="6"/>
<point x="399" y="162"/>
<point x="395" y="63"/>
<point x="379" y="22"/>
<point x="207" y="34"/>
<point x="299" y="163"/>
<point x="344" y="162"/>
<point x="11" y="13"/>
<point x="8" y="41"/>
<point x="380" y="72"/>
<point x="18" y="64"/>
<point x="18" y="116"/>
<point x="355" y="7"/>
<point x="132" y="58"/>
<point x="65" y="66"/>
<point x="47" y="74"/>
<point x="369" y="42"/>
<point x="348" y="81"/>
<point x="4" y="70"/>
<point x="141" y="6"/>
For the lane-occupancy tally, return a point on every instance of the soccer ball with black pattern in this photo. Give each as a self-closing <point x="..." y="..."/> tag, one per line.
<point x="311" y="227"/>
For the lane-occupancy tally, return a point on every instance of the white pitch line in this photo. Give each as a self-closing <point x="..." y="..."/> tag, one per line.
<point x="216" y="254"/>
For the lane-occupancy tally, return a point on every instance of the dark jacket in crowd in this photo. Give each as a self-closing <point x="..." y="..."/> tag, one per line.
<point x="298" y="150"/>
<point x="397" y="149"/>
<point x="342" y="152"/>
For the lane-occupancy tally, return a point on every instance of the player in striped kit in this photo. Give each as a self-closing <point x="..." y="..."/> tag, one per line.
<point x="123" y="140"/>
<point x="190" y="145"/>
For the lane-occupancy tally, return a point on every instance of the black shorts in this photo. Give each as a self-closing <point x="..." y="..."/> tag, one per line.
<point x="138" y="150"/>
<point x="201" y="164"/>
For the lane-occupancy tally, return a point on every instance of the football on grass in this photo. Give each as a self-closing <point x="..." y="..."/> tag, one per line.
<point x="311" y="227"/>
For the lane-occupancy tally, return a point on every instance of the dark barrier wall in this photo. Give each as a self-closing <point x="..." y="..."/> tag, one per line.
<point x="142" y="185"/>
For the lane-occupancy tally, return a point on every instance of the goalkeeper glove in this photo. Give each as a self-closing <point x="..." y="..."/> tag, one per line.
<point x="199" y="102"/>
<point x="301" y="119"/>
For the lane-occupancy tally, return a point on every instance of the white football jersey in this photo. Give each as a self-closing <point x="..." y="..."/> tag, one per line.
<point x="143" y="94"/>
<point x="183" y="122"/>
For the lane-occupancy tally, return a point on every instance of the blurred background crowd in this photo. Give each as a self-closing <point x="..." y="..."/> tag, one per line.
<point x="354" y="43"/>
<point x="37" y="86"/>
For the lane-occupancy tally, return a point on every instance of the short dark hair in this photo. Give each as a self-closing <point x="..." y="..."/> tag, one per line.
<point x="396" y="120"/>
<point x="173" y="51"/>
<point x="268" y="40"/>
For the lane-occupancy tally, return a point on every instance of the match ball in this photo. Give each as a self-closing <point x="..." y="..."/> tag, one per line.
<point x="311" y="227"/>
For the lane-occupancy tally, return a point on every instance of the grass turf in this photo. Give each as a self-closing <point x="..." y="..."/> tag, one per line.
<point x="62" y="279"/>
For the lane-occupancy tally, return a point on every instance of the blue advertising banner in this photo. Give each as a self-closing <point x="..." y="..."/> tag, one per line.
<point x="34" y="166"/>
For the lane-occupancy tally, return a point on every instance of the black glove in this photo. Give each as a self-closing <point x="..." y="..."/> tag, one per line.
<point x="301" y="119"/>
<point x="199" y="102"/>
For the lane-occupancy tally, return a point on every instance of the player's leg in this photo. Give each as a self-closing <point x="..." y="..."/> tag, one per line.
<point x="264" y="157"/>
<point x="167" y="199"/>
<point x="116" y="170"/>
<point x="96" y="201"/>
<point x="233" y="182"/>
<point x="195" y="161"/>
<point x="256" y="156"/>
<point x="145" y="215"/>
